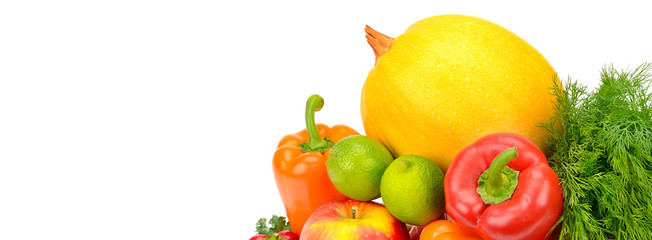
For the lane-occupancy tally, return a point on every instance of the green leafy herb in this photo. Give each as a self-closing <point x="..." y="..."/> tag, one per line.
<point x="276" y="224"/>
<point x="601" y="148"/>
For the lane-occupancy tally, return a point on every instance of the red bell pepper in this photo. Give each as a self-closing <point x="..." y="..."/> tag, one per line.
<point x="501" y="187"/>
<point x="282" y="235"/>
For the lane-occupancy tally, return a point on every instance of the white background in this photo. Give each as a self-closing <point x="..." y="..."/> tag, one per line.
<point x="159" y="119"/>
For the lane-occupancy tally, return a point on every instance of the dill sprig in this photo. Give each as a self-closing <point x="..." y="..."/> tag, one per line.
<point x="600" y="147"/>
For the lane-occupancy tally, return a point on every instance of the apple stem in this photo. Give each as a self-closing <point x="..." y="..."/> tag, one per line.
<point x="354" y="210"/>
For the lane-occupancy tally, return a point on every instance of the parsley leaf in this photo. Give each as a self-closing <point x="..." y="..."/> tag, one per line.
<point x="276" y="224"/>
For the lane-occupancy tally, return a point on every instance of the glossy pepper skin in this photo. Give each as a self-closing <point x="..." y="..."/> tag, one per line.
<point x="282" y="235"/>
<point x="444" y="230"/>
<point x="528" y="213"/>
<point x="299" y="166"/>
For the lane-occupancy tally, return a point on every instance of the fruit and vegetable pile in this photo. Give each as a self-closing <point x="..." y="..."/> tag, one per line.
<point x="471" y="135"/>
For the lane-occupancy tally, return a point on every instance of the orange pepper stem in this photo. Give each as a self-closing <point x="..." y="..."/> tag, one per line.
<point x="315" y="143"/>
<point x="498" y="183"/>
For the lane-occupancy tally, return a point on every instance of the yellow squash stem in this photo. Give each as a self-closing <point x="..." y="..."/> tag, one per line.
<point x="379" y="42"/>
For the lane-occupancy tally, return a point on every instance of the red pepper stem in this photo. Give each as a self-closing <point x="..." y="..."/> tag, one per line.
<point x="496" y="179"/>
<point x="497" y="183"/>
<point x="316" y="143"/>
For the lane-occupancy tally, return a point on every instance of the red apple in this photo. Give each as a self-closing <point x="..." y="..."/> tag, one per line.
<point x="353" y="220"/>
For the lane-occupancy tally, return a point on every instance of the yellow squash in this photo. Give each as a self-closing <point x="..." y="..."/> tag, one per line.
<point x="451" y="79"/>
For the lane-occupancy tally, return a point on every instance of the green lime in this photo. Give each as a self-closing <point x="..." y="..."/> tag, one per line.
<point x="355" y="166"/>
<point x="413" y="190"/>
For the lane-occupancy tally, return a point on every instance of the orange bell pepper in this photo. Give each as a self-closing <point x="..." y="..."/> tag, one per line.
<point x="444" y="230"/>
<point x="300" y="166"/>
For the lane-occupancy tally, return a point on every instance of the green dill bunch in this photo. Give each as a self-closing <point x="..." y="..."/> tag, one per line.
<point x="601" y="149"/>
